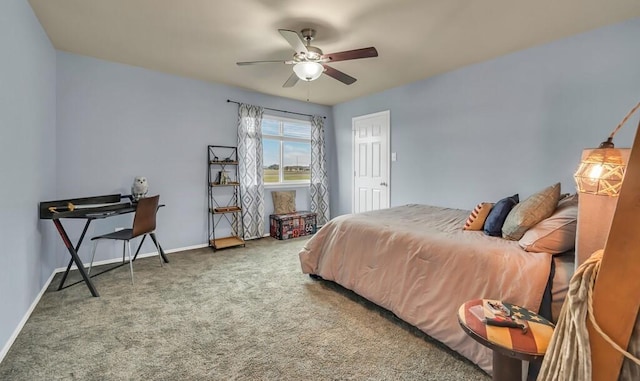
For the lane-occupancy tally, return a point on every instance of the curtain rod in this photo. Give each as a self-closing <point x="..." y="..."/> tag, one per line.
<point x="275" y="109"/>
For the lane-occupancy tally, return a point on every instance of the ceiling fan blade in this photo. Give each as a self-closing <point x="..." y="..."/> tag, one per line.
<point x="337" y="74"/>
<point x="351" y="54"/>
<point x="294" y="39"/>
<point x="293" y="79"/>
<point x="245" y="63"/>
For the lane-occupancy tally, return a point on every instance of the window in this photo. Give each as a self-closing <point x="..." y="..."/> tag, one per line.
<point x="286" y="145"/>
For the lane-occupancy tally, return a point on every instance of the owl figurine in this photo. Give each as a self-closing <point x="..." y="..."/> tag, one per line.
<point x="139" y="188"/>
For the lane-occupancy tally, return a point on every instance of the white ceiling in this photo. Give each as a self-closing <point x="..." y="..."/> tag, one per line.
<point x="415" y="39"/>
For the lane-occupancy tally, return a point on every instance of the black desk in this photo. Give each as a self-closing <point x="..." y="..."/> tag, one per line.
<point x="80" y="208"/>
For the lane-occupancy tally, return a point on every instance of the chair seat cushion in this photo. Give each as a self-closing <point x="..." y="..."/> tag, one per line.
<point x="123" y="235"/>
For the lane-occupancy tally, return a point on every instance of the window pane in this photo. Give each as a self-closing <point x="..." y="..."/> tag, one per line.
<point x="297" y="130"/>
<point x="271" y="160"/>
<point x="270" y="127"/>
<point x="295" y="161"/>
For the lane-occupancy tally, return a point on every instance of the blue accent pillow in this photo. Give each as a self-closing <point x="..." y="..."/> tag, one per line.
<point x="498" y="214"/>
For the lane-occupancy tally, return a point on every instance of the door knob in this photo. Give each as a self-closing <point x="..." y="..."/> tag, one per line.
<point x="383" y="184"/>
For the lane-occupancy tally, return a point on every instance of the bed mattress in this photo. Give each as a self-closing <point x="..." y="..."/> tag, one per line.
<point x="416" y="261"/>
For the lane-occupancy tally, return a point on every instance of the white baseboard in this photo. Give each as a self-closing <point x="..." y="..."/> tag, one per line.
<point x="193" y="247"/>
<point x="141" y="255"/>
<point x="35" y="302"/>
<point x="26" y="316"/>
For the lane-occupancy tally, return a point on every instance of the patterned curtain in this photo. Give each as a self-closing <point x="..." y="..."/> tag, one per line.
<point x="250" y="169"/>
<point x="319" y="182"/>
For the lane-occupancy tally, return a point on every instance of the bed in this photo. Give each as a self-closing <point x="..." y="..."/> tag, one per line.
<point x="418" y="262"/>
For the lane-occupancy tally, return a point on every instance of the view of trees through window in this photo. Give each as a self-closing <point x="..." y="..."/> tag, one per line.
<point x="286" y="145"/>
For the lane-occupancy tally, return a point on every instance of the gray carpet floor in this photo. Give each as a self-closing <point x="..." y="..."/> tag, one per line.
<point x="236" y="314"/>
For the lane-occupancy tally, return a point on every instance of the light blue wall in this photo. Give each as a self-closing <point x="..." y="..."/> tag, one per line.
<point x="117" y="121"/>
<point x="514" y="124"/>
<point x="27" y="160"/>
<point x="75" y="126"/>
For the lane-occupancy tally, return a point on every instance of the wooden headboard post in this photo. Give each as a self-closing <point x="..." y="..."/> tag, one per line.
<point x="616" y="294"/>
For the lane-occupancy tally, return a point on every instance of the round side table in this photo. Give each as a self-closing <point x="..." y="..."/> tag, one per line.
<point x="510" y="345"/>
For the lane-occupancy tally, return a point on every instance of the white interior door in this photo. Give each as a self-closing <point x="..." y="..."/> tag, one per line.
<point x="371" y="162"/>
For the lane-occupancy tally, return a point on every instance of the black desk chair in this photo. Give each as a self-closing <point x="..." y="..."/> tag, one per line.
<point x="144" y="222"/>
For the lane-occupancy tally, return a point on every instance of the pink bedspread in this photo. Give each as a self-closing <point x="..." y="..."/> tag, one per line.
<point x="417" y="262"/>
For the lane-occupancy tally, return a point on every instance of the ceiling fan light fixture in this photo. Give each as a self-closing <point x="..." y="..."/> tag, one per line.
<point x="308" y="71"/>
<point x="309" y="62"/>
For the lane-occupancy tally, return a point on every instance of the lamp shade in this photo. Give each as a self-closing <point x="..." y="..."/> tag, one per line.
<point x="308" y="71"/>
<point x="601" y="171"/>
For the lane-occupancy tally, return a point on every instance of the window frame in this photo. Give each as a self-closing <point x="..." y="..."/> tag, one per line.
<point x="281" y="139"/>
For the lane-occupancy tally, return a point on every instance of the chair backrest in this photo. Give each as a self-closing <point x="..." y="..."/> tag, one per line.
<point x="145" y="219"/>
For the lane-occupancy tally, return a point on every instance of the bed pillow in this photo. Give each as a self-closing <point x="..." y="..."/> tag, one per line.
<point x="556" y="234"/>
<point x="478" y="216"/>
<point x="569" y="199"/>
<point x="284" y="202"/>
<point x="565" y="195"/>
<point x="529" y="212"/>
<point x="497" y="215"/>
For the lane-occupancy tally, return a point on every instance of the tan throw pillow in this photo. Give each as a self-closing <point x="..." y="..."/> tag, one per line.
<point x="477" y="216"/>
<point x="284" y="202"/>
<point x="529" y="212"/>
<point x="556" y="234"/>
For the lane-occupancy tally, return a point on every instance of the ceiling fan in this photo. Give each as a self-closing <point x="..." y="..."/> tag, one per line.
<point x="309" y="62"/>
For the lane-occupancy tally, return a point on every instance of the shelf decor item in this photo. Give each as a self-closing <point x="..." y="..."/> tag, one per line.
<point x="225" y="225"/>
<point x="223" y="178"/>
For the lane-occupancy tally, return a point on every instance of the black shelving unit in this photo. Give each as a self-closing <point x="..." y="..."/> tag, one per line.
<point x="223" y="187"/>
